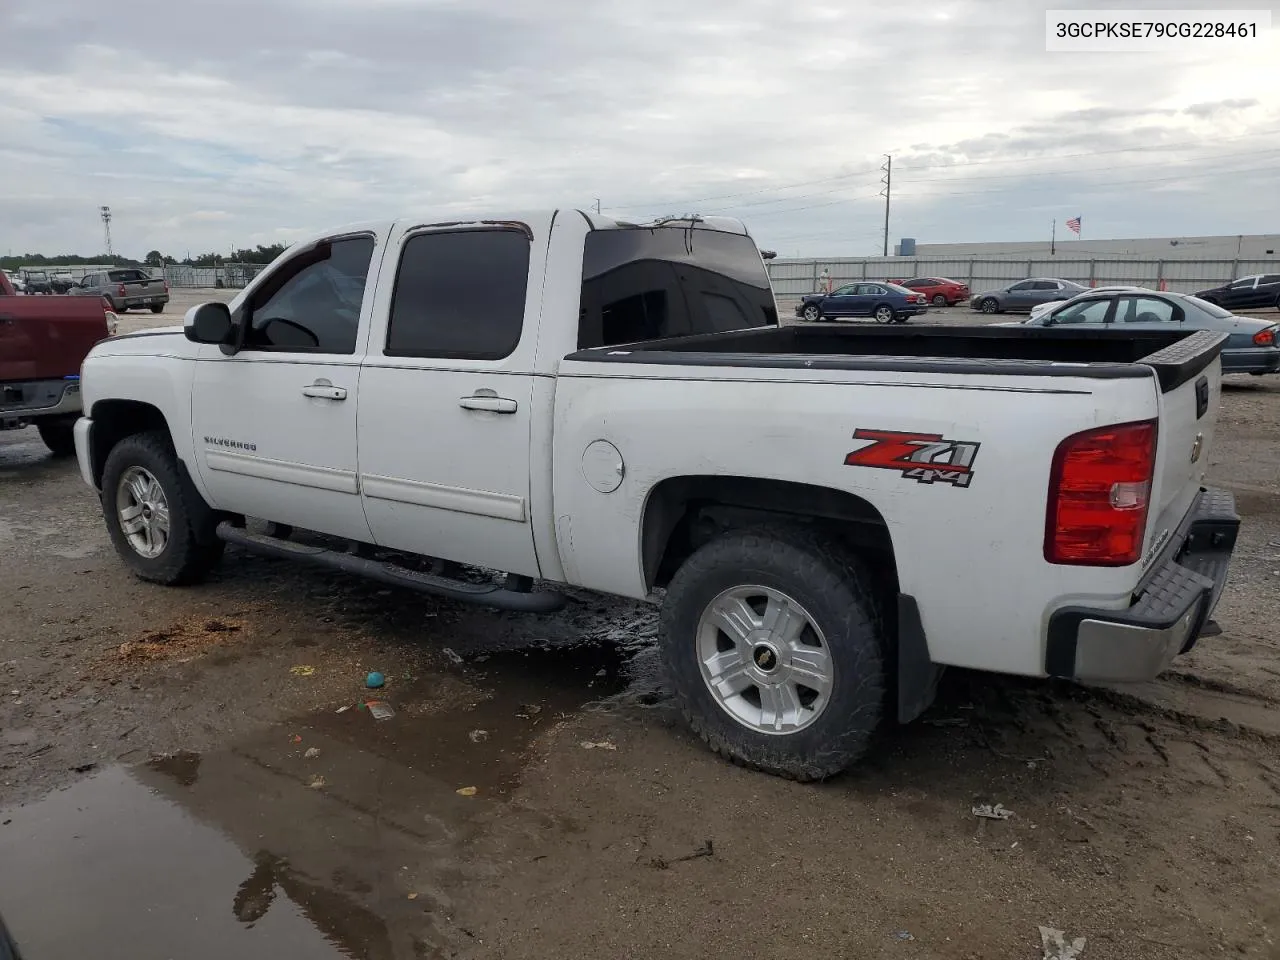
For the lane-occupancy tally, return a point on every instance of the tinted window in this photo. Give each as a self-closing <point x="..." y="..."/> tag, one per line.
<point x="1145" y="310"/>
<point x="316" y="309"/>
<point x="871" y="290"/>
<point x="460" y="295"/>
<point x="1270" y="279"/>
<point x="897" y="289"/>
<point x="649" y="283"/>
<point x="1024" y="285"/>
<point x="919" y="282"/>
<point x="124" y="276"/>
<point x="1086" y="311"/>
<point x="1045" y="285"/>
<point x="1244" y="283"/>
<point x="847" y="290"/>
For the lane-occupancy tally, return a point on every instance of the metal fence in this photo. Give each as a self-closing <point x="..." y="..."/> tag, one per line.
<point x="793" y="278"/>
<point x="231" y="275"/>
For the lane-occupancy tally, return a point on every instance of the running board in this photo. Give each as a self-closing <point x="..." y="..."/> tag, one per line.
<point x="492" y="595"/>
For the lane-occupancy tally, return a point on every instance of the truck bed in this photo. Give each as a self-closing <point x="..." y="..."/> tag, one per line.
<point x="1175" y="355"/>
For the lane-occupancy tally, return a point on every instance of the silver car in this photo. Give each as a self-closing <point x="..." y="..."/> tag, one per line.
<point x="1251" y="345"/>
<point x="1022" y="296"/>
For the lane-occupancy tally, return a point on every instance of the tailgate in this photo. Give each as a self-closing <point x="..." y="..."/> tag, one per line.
<point x="1189" y="374"/>
<point x="144" y="288"/>
<point x="47" y="338"/>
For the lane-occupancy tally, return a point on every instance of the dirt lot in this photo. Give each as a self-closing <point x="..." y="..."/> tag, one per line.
<point x="191" y="773"/>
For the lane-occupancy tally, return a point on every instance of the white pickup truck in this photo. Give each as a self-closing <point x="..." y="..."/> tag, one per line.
<point x="828" y="514"/>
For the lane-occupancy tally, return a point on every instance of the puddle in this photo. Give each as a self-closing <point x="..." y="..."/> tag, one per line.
<point x="261" y="850"/>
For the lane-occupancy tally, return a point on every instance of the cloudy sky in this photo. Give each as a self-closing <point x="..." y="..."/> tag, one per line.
<point x="254" y="121"/>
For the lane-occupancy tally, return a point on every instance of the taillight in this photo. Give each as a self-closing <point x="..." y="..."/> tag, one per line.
<point x="120" y="290"/>
<point x="166" y="286"/>
<point x="1099" y="491"/>
<point x="1265" y="338"/>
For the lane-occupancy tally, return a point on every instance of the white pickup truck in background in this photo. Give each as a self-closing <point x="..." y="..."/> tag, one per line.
<point x="829" y="515"/>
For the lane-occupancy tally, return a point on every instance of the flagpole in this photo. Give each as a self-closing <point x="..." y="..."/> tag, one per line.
<point x="1053" y="238"/>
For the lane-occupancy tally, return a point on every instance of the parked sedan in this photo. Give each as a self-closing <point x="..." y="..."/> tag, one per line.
<point x="1248" y="293"/>
<point x="1251" y="344"/>
<point x="940" y="291"/>
<point x="1042" y="308"/>
<point x="1022" y="296"/>
<point x="884" y="302"/>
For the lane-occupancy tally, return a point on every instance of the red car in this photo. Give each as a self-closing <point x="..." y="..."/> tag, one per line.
<point x="940" y="291"/>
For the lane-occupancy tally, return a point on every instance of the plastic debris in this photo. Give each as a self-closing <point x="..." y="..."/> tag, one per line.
<point x="598" y="745"/>
<point x="343" y="709"/>
<point x="1056" y="946"/>
<point x="992" y="811"/>
<point x="380" y="709"/>
<point x="413" y="896"/>
<point x="466" y="791"/>
<point x="478" y="736"/>
<point x="303" y="670"/>
<point x="316" y="783"/>
<point x="902" y="935"/>
<point x="295" y="739"/>
<point x="452" y="655"/>
<point x="374" y="680"/>
<point x="312" y="753"/>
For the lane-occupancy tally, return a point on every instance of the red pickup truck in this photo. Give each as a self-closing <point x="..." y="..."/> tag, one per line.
<point x="43" y="341"/>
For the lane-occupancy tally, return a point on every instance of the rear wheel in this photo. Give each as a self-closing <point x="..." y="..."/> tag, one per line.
<point x="773" y="642"/>
<point x="157" y="308"/>
<point x="989" y="305"/>
<point x="884" y="314"/>
<point x="812" y="312"/>
<point x="151" y="516"/>
<point x="58" y="435"/>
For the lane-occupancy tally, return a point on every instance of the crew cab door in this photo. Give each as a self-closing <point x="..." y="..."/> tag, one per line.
<point x="274" y="425"/>
<point x="446" y="394"/>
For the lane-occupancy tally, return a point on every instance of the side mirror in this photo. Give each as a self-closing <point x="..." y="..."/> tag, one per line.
<point x="209" y="323"/>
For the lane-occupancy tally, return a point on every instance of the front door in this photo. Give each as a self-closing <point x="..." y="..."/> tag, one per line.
<point x="274" y="426"/>
<point x="446" y="398"/>
<point x="1021" y="296"/>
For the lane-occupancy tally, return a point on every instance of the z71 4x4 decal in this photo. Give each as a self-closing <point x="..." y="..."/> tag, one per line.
<point x="923" y="457"/>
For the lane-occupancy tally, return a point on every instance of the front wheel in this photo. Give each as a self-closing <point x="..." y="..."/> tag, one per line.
<point x="812" y="312"/>
<point x="939" y="300"/>
<point x="150" y="514"/>
<point x="884" y="314"/>
<point x="989" y="305"/>
<point x="773" y="642"/>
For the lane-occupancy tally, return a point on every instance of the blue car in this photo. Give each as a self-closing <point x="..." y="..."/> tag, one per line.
<point x="883" y="302"/>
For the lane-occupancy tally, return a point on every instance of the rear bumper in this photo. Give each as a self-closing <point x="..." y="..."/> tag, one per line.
<point x="1251" y="360"/>
<point x="33" y="399"/>
<point x="1168" y="611"/>
<point x="141" y="301"/>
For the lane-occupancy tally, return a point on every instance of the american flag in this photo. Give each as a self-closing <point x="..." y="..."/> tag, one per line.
<point x="1074" y="225"/>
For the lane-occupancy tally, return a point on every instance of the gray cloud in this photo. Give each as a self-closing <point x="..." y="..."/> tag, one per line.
<point x="250" y="121"/>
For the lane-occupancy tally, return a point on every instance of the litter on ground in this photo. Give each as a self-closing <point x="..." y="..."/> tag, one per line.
<point x="989" y="811"/>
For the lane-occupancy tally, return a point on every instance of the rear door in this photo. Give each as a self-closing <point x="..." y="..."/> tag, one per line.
<point x="446" y="393"/>
<point x="1267" y="292"/>
<point x="869" y="294"/>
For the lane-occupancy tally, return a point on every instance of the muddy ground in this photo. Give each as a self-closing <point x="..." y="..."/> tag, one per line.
<point x="191" y="773"/>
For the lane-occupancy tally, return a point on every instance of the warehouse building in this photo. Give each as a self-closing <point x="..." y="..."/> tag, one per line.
<point x="1249" y="246"/>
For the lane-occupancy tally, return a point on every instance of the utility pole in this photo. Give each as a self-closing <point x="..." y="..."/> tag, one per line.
<point x="597" y="204"/>
<point x="887" y="180"/>
<point x="106" y="228"/>
<point x="1053" y="238"/>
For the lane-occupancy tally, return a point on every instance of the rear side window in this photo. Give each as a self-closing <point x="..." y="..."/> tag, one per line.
<point x="650" y="283"/>
<point x="460" y="295"/>
<point x="1271" y="279"/>
<point x="1146" y="310"/>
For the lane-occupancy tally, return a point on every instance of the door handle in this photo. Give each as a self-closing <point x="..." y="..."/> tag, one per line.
<point x="487" y="402"/>
<point x="324" y="390"/>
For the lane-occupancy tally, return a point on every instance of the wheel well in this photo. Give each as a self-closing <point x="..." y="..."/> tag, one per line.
<point x="113" y="420"/>
<point x="683" y="513"/>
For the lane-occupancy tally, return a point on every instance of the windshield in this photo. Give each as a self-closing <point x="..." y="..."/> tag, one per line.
<point x="1212" y="309"/>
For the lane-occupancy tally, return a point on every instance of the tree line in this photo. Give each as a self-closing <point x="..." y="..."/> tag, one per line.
<point x="155" y="258"/>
